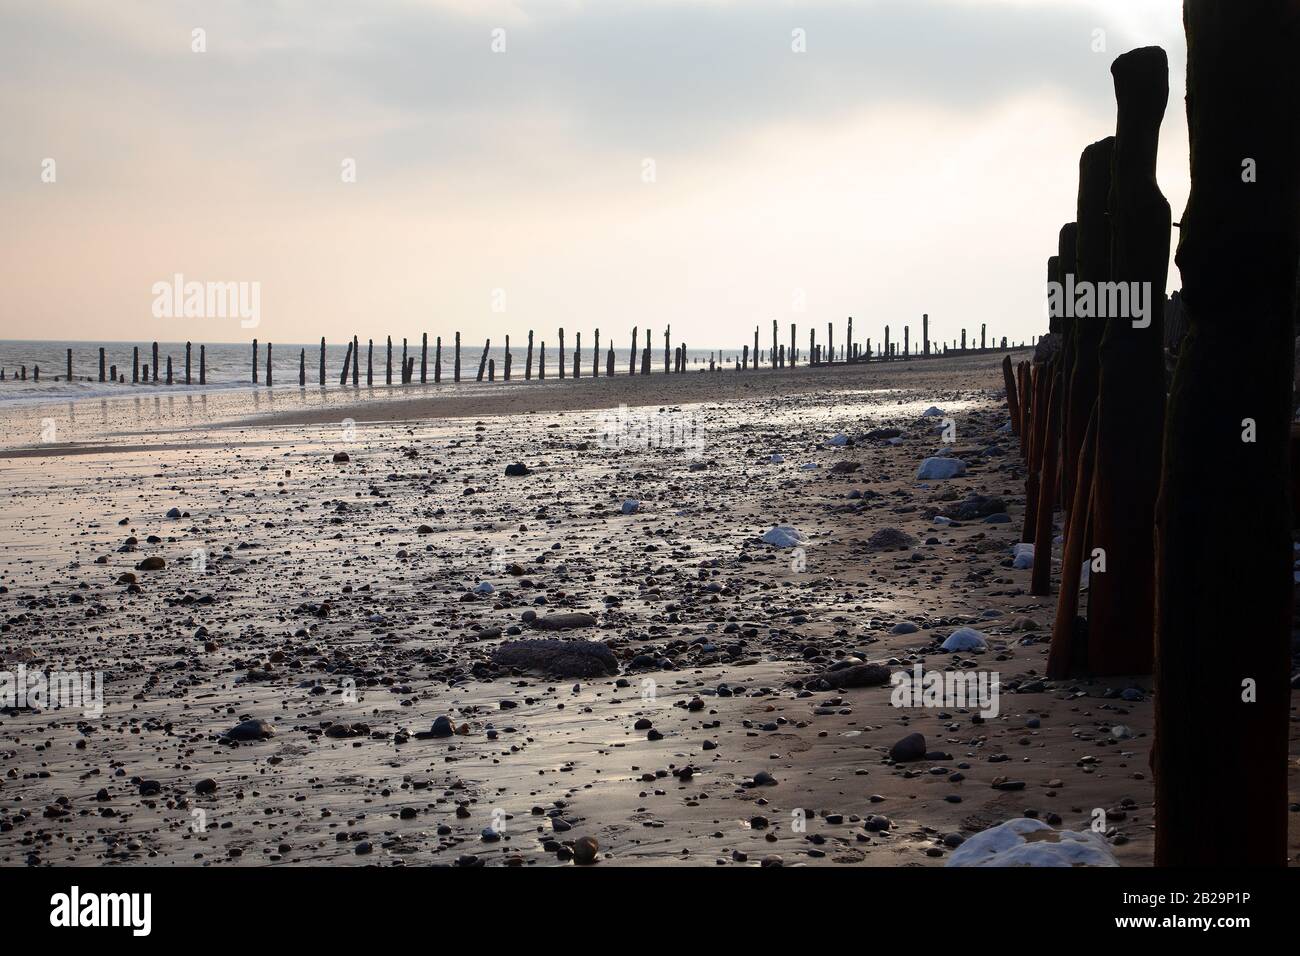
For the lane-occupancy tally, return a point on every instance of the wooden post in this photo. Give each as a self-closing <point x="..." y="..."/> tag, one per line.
<point x="774" y="345"/>
<point x="112" y="374"/>
<point x="645" y="358"/>
<point x="437" y="360"/>
<point x="155" y="363"/>
<point x="1041" y="580"/>
<point x="406" y="378"/>
<point x="388" y="363"/>
<point x="541" y="361"/>
<point x="424" y="357"/>
<point x="203" y="364"/>
<point x="577" y="355"/>
<point x="1064" y="657"/>
<point x="668" y="338"/>
<point x="595" y="357"/>
<point x="268" y="366"/>
<point x="102" y="365"/>
<point x="849" y="345"/>
<point x="169" y="371"/>
<point x="69" y="365"/>
<point x="187" y="362"/>
<point x="343" y="379"/>
<point x="370" y="362"/>
<point x="528" y="357"/>
<point x="1067" y="252"/>
<point x="561" y="353"/>
<point x="455" y="368"/>
<point x="302" y="368"/>
<point x="609" y="363"/>
<point x="681" y="360"/>
<point x="1131" y="381"/>
<point x="482" y="362"/>
<point x="631" y="362"/>
<point x="907" y="342"/>
<point x="1225" y="583"/>
<point x="255" y="360"/>
<point x="492" y="370"/>
<point x="791" y="353"/>
<point x="322" y="361"/>
<point x="505" y="369"/>
<point x="1013" y="402"/>
<point x="1034" y="478"/>
<point x="745" y="353"/>
<point x="356" y="361"/>
<point x="830" y="343"/>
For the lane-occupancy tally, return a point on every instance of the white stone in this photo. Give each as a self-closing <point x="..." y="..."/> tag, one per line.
<point x="1028" y="842"/>
<point x="939" y="468"/>
<point x="965" y="639"/>
<point x="784" y="536"/>
<point x="1023" y="555"/>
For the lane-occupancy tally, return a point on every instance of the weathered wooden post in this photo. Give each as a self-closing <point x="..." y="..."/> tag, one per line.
<point x="963" y="340"/>
<point x="1041" y="579"/>
<point x="982" y="328"/>
<point x="595" y="357"/>
<point x="1131" y="380"/>
<point x="302" y="368"/>
<point x="668" y="338"/>
<point x="256" y="358"/>
<point x="907" y="341"/>
<point x="187" y="363"/>
<point x="505" y="368"/>
<point x="577" y="355"/>
<point x="203" y="364"/>
<point x="437" y="360"/>
<point x="406" y="378"/>
<point x="631" y="370"/>
<point x="1225" y="583"/>
<point x="756" y="355"/>
<point x="849" y="340"/>
<point x="102" y="364"/>
<point x="482" y="362"/>
<point x="1013" y="402"/>
<point x="813" y="355"/>
<point x="388" y="363"/>
<point x="492" y="370"/>
<point x="1065" y="657"/>
<point x="370" y="362"/>
<point x="322" y="362"/>
<point x="528" y="358"/>
<point x="925" y="334"/>
<point x="541" y="361"/>
<point x="609" y="362"/>
<point x="774" y="343"/>
<point x="410" y="369"/>
<point x="561" y="353"/>
<point x="268" y="366"/>
<point x="830" y="343"/>
<point x="791" y="353"/>
<point x="424" y="357"/>
<point x="69" y="365"/>
<point x="1067" y="253"/>
<point x="356" y="361"/>
<point x="645" y="358"/>
<point x="155" y="363"/>
<point x="343" y="379"/>
<point x="169" y="369"/>
<point x="745" y="353"/>
<point x="455" y="367"/>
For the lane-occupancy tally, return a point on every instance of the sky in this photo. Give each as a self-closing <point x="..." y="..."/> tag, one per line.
<point x="395" y="167"/>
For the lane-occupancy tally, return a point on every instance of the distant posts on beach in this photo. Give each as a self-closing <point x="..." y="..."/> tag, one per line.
<point x="528" y="356"/>
<point x="302" y="368"/>
<point x="631" y="370"/>
<point x="482" y="362"/>
<point x="322" y="361"/>
<point x="595" y="357"/>
<point x="268" y="365"/>
<point x="155" y="363"/>
<point x="455" y="367"/>
<point x="437" y="360"/>
<point x="188" y="348"/>
<point x="925" y="334"/>
<point x="424" y="357"/>
<point x="255" y="357"/>
<point x="577" y="354"/>
<point x="561" y="353"/>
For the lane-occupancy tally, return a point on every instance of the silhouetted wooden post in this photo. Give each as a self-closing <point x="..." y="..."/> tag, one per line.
<point x="343" y="379"/>
<point x="1092" y="265"/>
<point x="528" y="357"/>
<point x="492" y="370"/>
<point x="541" y="361"/>
<point x="963" y="340"/>
<point x="187" y="363"/>
<point x="1013" y="402"/>
<point x="455" y="368"/>
<point x="145" y="370"/>
<point x="982" y="327"/>
<point x="1226" y="588"/>
<point x="505" y="368"/>
<point x="668" y="338"/>
<point x="322" y="362"/>
<point x="370" y="362"/>
<point x="756" y="355"/>
<point x="830" y="343"/>
<point x="169" y="371"/>
<point x="69" y="365"/>
<point x="388" y="363"/>
<point x="482" y="362"/>
<point x="774" y="344"/>
<point x="745" y="353"/>
<point x="255" y="360"/>
<point x="849" y="340"/>
<point x="406" y="378"/>
<point x="424" y="357"/>
<point x="155" y="363"/>
<point x="268" y="366"/>
<point x="1064" y="657"/>
<point x="102" y="364"/>
<point x="577" y="355"/>
<point x="1034" y="478"/>
<point x="1131" y="382"/>
<point x="203" y="364"/>
<point x="356" y="361"/>
<point x="609" y="363"/>
<point x="302" y="368"/>
<point x="437" y="360"/>
<point x="791" y="353"/>
<point x="595" y="357"/>
<point x="1041" y="580"/>
<point x="907" y="341"/>
<point x="112" y="373"/>
<point x="561" y="353"/>
<point x="1066" y="251"/>
<point x="887" y="353"/>
<point x="813" y="356"/>
<point x="925" y="334"/>
<point x="631" y="364"/>
<point x="410" y="369"/>
<point x="645" y="358"/>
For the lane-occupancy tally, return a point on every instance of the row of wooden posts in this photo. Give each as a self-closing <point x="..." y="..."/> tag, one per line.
<point x="1176" y="496"/>
<point x="674" y="358"/>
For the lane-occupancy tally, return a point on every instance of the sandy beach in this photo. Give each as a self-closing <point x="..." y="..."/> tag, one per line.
<point x="352" y="603"/>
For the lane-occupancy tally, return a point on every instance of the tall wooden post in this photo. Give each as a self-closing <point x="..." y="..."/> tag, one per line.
<point x="322" y="361"/>
<point x="302" y="368"/>
<point x="595" y="357"/>
<point x="528" y="358"/>
<point x="69" y="365"/>
<point x="203" y="364"/>
<point x="370" y="362"/>
<point x="455" y="366"/>
<point x="505" y="369"/>
<point x="356" y="361"/>
<point x="1225" y="585"/>
<point x="577" y="355"/>
<point x="437" y="360"/>
<point x="925" y="334"/>
<point x="255" y="360"/>
<point x="482" y="362"/>
<point x="424" y="357"/>
<point x="561" y="353"/>
<point x="155" y="362"/>
<point x="631" y="370"/>
<point x="102" y="365"/>
<point x="268" y="366"/>
<point x="668" y="338"/>
<point x="1131" y="381"/>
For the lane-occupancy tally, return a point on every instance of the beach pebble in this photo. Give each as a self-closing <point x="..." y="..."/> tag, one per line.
<point x="940" y="468"/>
<point x="911" y="747"/>
<point x="1027" y="842"/>
<point x="965" y="639"/>
<point x="785" y="536"/>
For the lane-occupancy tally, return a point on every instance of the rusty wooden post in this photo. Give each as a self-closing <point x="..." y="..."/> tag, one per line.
<point x="1225" y="585"/>
<point x="1064" y="656"/>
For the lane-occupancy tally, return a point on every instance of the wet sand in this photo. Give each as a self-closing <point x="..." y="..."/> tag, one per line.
<point x="341" y="602"/>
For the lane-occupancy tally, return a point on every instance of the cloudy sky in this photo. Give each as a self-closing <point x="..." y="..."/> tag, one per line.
<point x="619" y="163"/>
